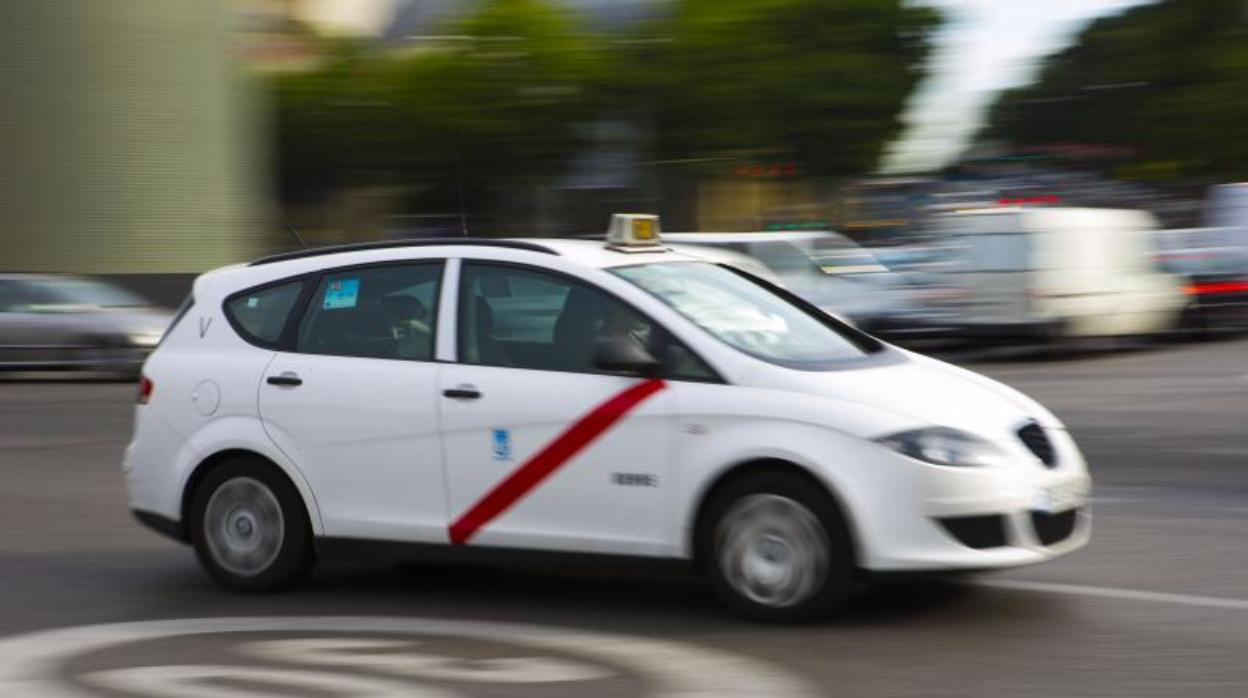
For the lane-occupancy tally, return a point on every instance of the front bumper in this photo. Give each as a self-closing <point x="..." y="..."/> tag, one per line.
<point x="1015" y="514"/>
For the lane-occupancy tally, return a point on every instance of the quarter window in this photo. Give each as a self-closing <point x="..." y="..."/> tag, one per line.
<point x="386" y="312"/>
<point x="260" y="316"/>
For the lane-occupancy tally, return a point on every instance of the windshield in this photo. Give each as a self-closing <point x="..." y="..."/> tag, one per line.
<point x="82" y="292"/>
<point x="744" y="314"/>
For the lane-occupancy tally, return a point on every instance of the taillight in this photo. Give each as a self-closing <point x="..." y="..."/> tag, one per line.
<point x="146" y="386"/>
<point x="1198" y="289"/>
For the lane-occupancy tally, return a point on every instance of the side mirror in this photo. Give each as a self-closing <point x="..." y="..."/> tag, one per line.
<point x="623" y="354"/>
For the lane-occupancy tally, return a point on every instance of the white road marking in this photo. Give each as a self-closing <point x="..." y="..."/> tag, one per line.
<point x="203" y="681"/>
<point x="32" y="665"/>
<point x="363" y="654"/>
<point x="1119" y="594"/>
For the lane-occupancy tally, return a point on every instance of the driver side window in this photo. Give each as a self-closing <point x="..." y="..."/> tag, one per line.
<point x="522" y="318"/>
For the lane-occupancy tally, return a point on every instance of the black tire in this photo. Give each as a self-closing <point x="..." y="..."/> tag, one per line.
<point x="279" y="562"/>
<point x="828" y="582"/>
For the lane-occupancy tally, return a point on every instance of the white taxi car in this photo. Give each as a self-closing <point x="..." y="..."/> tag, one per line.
<point x="570" y="397"/>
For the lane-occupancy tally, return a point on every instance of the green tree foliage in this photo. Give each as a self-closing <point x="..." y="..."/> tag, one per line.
<point x="493" y="103"/>
<point x="1168" y="82"/>
<point x="499" y="99"/>
<point x="818" y="82"/>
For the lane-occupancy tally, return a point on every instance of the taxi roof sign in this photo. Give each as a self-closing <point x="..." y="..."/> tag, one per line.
<point x="634" y="232"/>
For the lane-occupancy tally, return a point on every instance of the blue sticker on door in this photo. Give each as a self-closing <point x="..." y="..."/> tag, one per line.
<point x="502" y="444"/>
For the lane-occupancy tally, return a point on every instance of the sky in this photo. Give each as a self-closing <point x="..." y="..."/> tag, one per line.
<point x="985" y="46"/>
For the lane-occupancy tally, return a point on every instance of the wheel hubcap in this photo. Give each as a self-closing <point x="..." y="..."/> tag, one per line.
<point x="772" y="550"/>
<point x="243" y="526"/>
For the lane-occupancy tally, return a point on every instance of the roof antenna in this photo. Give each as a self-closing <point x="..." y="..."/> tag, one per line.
<point x="294" y="231"/>
<point x="459" y="186"/>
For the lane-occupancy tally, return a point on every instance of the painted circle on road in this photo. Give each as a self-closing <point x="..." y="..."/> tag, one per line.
<point x="371" y="657"/>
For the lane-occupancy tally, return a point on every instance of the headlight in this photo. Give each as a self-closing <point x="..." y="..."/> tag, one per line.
<point x="144" y="338"/>
<point x="944" y="446"/>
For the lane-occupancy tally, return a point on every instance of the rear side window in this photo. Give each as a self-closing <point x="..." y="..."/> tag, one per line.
<point x="384" y="312"/>
<point x="520" y="318"/>
<point x="260" y="315"/>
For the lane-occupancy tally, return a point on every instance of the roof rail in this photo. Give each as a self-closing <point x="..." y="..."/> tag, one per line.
<point x="387" y="244"/>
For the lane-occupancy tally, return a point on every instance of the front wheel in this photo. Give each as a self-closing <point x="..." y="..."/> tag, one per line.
<point x="249" y="527"/>
<point x="776" y="548"/>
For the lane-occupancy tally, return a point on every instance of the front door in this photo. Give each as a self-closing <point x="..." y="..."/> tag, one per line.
<point x="354" y="406"/>
<point x="543" y="450"/>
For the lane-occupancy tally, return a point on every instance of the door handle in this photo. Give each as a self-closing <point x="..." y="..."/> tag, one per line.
<point x="287" y="378"/>
<point x="464" y="392"/>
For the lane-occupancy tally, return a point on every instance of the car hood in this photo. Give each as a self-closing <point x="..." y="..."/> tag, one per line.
<point x="925" y="392"/>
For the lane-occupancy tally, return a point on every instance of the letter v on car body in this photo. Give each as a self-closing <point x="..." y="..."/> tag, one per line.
<point x="564" y="396"/>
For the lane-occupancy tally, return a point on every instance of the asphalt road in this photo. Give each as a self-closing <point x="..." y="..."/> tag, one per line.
<point x="1157" y="605"/>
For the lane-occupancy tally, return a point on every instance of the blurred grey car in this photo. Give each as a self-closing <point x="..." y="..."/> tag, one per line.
<point x="832" y="272"/>
<point x="52" y="322"/>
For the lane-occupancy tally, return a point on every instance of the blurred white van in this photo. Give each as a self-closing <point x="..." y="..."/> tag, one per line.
<point x="1226" y="206"/>
<point x="1050" y="273"/>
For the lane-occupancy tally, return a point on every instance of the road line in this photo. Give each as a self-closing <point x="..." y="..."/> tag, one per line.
<point x="1119" y="594"/>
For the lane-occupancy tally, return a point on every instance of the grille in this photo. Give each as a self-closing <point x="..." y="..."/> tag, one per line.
<point x="1054" y="528"/>
<point x="977" y="532"/>
<point x="1033" y="436"/>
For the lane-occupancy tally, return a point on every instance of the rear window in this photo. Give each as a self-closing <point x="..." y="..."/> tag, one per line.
<point x="260" y="315"/>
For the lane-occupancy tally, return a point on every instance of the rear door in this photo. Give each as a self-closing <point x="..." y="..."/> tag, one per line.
<point x="353" y="404"/>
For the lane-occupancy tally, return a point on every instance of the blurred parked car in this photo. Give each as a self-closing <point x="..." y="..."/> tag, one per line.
<point x="1054" y="273"/>
<point x="1216" y="282"/>
<point x="66" y="322"/>
<point x="832" y="272"/>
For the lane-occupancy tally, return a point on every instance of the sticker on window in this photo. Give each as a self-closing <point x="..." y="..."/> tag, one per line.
<point x="341" y="293"/>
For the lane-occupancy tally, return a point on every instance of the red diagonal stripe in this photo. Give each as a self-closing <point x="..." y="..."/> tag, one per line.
<point x="546" y="461"/>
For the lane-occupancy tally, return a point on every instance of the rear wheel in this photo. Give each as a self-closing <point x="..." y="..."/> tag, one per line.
<point x="776" y="548"/>
<point x="249" y="527"/>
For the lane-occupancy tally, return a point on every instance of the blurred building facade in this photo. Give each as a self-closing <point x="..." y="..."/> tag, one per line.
<point x="127" y="141"/>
